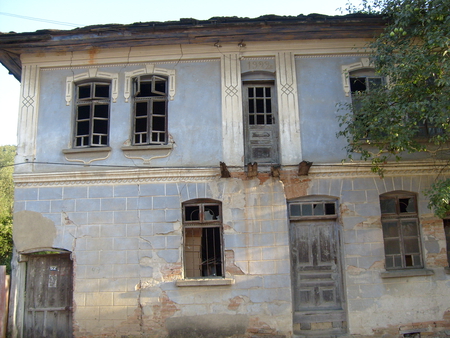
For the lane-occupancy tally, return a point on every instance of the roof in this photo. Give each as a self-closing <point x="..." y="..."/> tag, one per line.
<point x="186" y="31"/>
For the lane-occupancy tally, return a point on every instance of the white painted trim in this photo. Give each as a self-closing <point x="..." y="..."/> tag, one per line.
<point x="346" y="69"/>
<point x="232" y="115"/>
<point x="149" y="69"/>
<point x="28" y="114"/>
<point x="92" y="73"/>
<point x="118" y="176"/>
<point x="288" y="109"/>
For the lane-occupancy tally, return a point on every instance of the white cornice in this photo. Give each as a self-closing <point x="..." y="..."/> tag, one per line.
<point x="115" y="177"/>
<point x="144" y="175"/>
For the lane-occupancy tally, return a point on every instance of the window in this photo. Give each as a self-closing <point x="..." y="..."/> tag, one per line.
<point x="447" y="238"/>
<point x="92" y="114"/>
<point x="202" y="227"/>
<point x="260" y="118"/>
<point x="150" y="110"/>
<point x="401" y="233"/>
<point x="315" y="209"/>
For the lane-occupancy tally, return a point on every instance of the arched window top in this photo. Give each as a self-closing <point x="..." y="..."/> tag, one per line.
<point x="364" y="63"/>
<point x="93" y="74"/>
<point x="202" y="211"/>
<point x="149" y="70"/>
<point x="258" y="76"/>
<point x="398" y="203"/>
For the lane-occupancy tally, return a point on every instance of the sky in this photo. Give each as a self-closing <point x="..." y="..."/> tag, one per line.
<point x="31" y="15"/>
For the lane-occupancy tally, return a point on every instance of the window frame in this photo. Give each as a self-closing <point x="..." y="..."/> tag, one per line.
<point x="203" y="223"/>
<point x="91" y="101"/>
<point x="404" y="258"/>
<point x="150" y="102"/>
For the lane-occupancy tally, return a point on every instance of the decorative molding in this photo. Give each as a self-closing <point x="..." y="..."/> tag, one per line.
<point x="118" y="176"/>
<point x="349" y="170"/>
<point x="92" y="73"/>
<point x="288" y="111"/>
<point x="329" y="55"/>
<point x="147" y="70"/>
<point x="147" y="153"/>
<point x="346" y="69"/>
<point x="232" y="116"/>
<point x="87" y="155"/>
<point x="124" y="64"/>
<point x="28" y="113"/>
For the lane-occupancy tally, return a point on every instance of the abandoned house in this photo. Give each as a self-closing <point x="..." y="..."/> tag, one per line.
<point x="184" y="179"/>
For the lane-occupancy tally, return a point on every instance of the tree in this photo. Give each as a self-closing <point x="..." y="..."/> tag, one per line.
<point x="7" y="154"/>
<point x="410" y="112"/>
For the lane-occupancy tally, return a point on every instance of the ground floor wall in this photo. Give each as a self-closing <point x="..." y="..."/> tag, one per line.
<point x="126" y="241"/>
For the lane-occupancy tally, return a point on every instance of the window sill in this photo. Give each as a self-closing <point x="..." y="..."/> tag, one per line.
<point x="407" y="273"/>
<point x="86" y="150"/>
<point x="147" y="147"/>
<point x="87" y="155"/>
<point x="205" y="282"/>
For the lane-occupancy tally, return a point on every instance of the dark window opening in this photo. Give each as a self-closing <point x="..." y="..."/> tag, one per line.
<point x="203" y="248"/>
<point x="447" y="238"/>
<point x="92" y="114"/>
<point x="150" y="110"/>
<point x="260" y="105"/>
<point x="401" y="234"/>
<point x="312" y="209"/>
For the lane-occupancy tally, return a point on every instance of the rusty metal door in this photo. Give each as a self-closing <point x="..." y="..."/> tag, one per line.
<point x="48" y="296"/>
<point x="261" y="123"/>
<point x="317" y="278"/>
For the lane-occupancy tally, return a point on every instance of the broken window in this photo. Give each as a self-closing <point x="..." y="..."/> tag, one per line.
<point x="401" y="232"/>
<point x="150" y="110"/>
<point x="203" y="248"/>
<point x="312" y="209"/>
<point x="92" y="114"/>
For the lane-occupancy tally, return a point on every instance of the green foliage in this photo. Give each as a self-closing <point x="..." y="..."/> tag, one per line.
<point x="7" y="154"/>
<point x="439" y="195"/>
<point x="410" y="113"/>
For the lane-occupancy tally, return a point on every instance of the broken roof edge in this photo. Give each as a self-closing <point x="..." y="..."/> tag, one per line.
<point x="213" y="20"/>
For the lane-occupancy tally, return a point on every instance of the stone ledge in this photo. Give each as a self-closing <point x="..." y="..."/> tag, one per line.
<point x="406" y="273"/>
<point x="205" y="282"/>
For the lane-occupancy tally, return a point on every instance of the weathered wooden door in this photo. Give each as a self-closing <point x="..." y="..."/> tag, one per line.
<point x="260" y="122"/>
<point x="317" y="278"/>
<point x="48" y="296"/>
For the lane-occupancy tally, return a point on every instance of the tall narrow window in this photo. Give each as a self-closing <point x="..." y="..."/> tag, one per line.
<point x="203" y="251"/>
<point x="150" y="110"/>
<point x="260" y="120"/>
<point x="401" y="231"/>
<point x="447" y="238"/>
<point x="92" y="114"/>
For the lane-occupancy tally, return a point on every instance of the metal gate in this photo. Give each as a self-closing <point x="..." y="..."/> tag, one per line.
<point x="48" y="296"/>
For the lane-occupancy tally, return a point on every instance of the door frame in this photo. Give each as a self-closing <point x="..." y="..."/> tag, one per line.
<point x="318" y="316"/>
<point x="18" y="288"/>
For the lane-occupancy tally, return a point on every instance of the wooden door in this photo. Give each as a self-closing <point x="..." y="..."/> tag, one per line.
<point x="48" y="300"/>
<point x="260" y="121"/>
<point x="317" y="278"/>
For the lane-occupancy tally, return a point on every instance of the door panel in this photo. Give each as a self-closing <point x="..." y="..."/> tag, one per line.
<point x="48" y="300"/>
<point x="260" y="121"/>
<point x="317" y="279"/>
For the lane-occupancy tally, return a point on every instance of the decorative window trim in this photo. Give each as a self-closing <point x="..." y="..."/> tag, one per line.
<point x="346" y="69"/>
<point x="149" y="70"/>
<point x="93" y="73"/>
